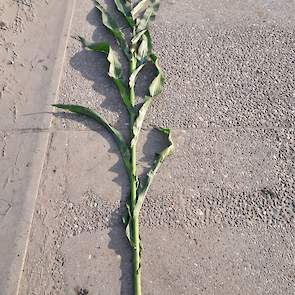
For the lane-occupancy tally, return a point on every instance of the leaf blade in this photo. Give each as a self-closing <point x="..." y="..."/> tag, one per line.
<point x="115" y="69"/>
<point x="139" y="8"/>
<point x="103" y="47"/>
<point x="148" y="16"/>
<point x="143" y="50"/>
<point x="110" y="23"/>
<point x="157" y="84"/>
<point x="139" y="120"/>
<point x="155" y="89"/>
<point x="122" y="146"/>
<point x="133" y="76"/>
<point x="115" y="72"/>
<point x="153" y="170"/>
<point x="137" y="37"/>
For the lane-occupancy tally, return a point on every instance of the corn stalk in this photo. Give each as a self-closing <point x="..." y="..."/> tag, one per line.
<point x="139" y="52"/>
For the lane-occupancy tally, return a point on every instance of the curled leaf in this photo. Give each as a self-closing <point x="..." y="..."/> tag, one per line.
<point x="122" y="146"/>
<point x="154" y="89"/>
<point x="115" y="72"/>
<point x="157" y="84"/>
<point x="143" y="50"/>
<point x="115" y="69"/>
<point x="98" y="47"/>
<point x="140" y="7"/>
<point x="124" y="92"/>
<point x="127" y="221"/>
<point x="137" y="37"/>
<point x="133" y="76"/>
<point x="139" y="120"/>
<point x="148" y="16"/>
<point x="152" y="172"/>
<point x="110" y="23"/>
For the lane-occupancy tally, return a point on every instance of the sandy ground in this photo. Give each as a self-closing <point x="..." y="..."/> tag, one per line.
<point x="32" y="44"/>
<point x="220" y="215"/>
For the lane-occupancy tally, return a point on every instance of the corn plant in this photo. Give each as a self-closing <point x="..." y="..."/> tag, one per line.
<point x="139" y="52"/>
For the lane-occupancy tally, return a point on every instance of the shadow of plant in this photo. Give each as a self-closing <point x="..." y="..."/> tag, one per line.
<point x="118" y="241"/>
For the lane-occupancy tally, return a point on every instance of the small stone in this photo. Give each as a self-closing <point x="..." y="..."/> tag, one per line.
<point x="199" y="212"/>
<point x="3" y="25"/>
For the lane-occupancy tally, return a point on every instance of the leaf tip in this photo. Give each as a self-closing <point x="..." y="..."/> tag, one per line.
<point x="59" y="106"/>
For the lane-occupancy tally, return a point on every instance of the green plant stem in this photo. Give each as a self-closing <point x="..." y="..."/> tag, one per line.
<point x="135" y="218"/>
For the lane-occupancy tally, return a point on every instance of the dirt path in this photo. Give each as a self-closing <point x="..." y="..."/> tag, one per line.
<point x="220" y="215"/>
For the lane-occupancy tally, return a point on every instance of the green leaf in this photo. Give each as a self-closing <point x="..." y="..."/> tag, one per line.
<point x="139" y="120"/>
<point x="125" y="8"/>
<point x="110" y="23"/>
<point x="115" y="72"/>
<point x="123" y="147"/>
<point x="133" y="76"/>
<point x="115" y="69"/>
<point x="148" y="16"/>
<point x="154" y="89"/>
<point x="153" y="170"/>
<point x="150" y="43"/>
<point x="143" y="50"/>
<point x="137" y="37"/>
<point x="98" y="47"/>
<point x="140" y="7"/>
<point x="157" y="84"/>
<point x="124" y="92"/>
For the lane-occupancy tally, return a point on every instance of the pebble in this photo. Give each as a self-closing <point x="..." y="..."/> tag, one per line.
<point x="3" y="25"/>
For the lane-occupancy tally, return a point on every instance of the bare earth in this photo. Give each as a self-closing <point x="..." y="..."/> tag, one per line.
<point x="220" y="215"/>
